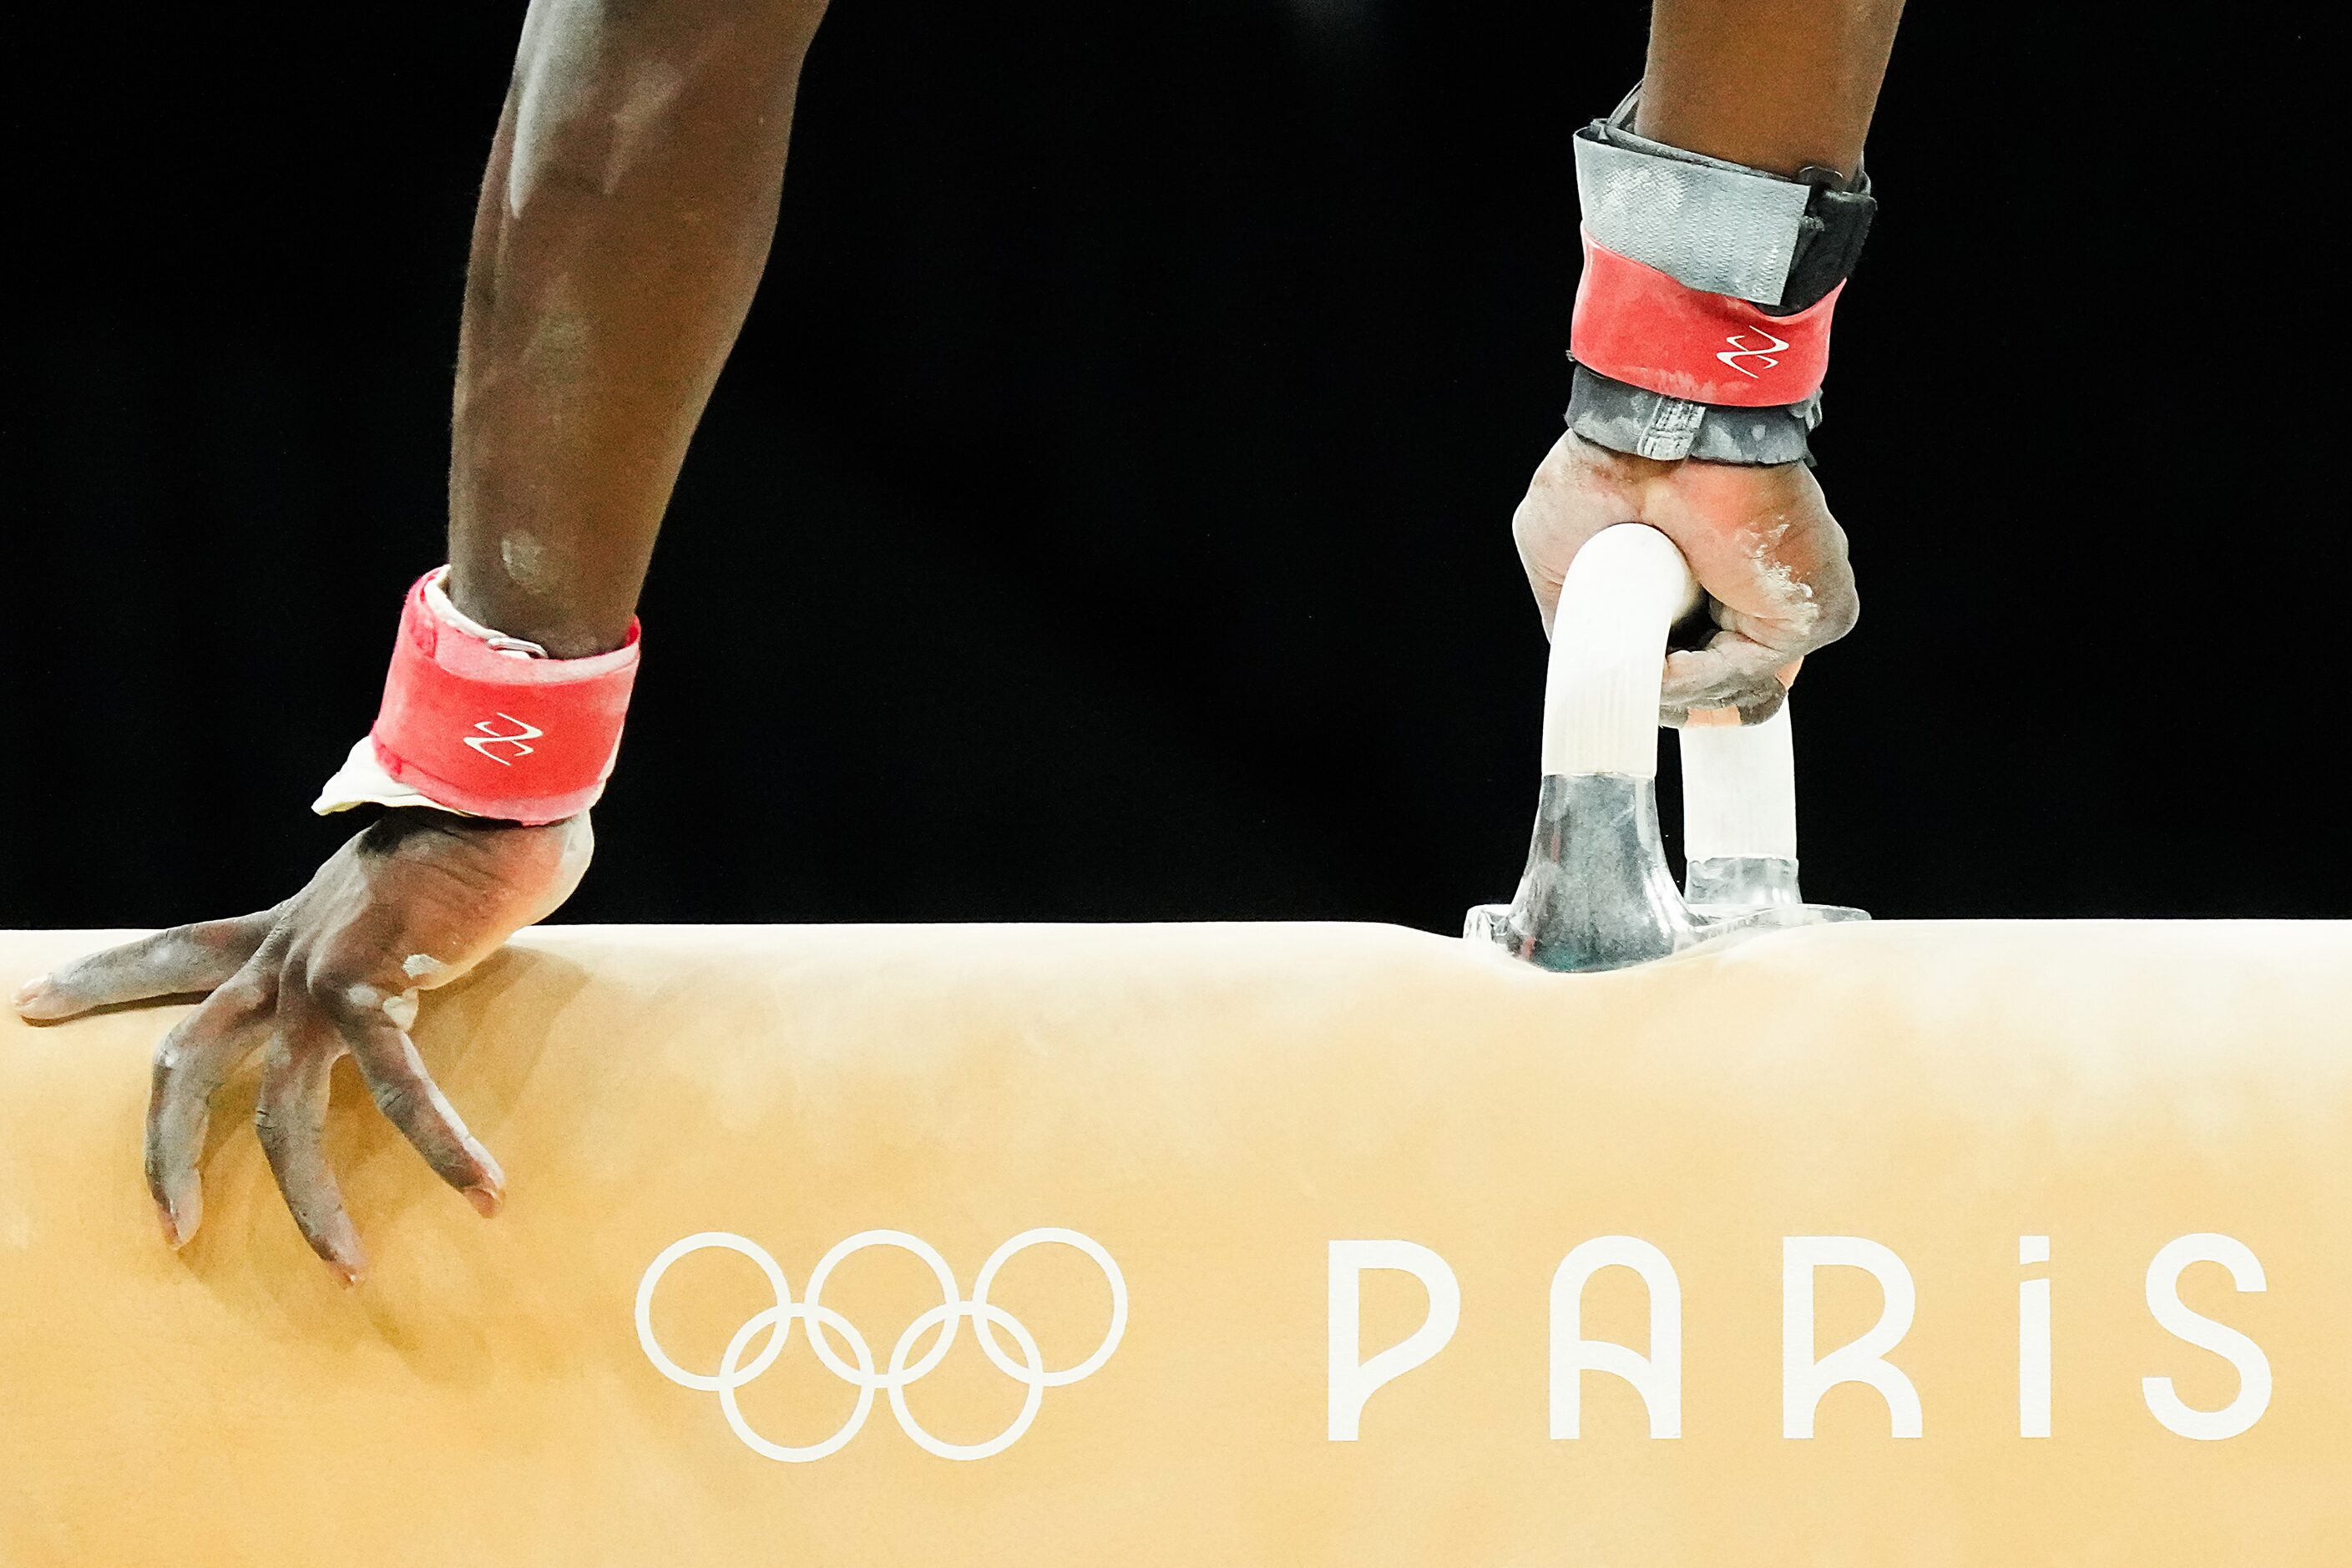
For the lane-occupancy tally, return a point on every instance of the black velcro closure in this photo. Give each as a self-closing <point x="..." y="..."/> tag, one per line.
<point x="1829" y="243"/>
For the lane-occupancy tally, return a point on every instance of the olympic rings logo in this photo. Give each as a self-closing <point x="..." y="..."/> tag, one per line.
<point x="777" y="1321"/>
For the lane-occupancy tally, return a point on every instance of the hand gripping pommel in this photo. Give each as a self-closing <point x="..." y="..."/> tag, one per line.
<point x="1597" y="893"/>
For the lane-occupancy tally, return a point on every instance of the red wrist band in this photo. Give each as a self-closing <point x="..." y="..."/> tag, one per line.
<point x="1635" y="324"/>
<point x="498" y="734"/>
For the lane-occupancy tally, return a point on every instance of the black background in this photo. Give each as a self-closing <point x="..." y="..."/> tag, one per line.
<point x="1105" y="514"/>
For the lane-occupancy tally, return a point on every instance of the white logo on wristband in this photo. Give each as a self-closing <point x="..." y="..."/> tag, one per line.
<point x="1740" y="351"/>
<point x="489" y="736"/>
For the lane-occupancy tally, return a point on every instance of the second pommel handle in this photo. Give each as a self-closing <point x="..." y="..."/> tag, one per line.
<point x="1627" y="588"/>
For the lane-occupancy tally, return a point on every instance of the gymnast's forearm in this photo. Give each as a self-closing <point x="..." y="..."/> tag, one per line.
<point x="624" y="222"/>
<point x="1701" y="331"/>
<point x="1773" y="84"/>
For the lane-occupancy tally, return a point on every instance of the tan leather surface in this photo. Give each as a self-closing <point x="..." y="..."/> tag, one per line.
<point x="1215" y="1105"/>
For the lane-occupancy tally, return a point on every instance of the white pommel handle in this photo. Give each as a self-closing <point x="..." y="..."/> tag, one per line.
<point x="1739" y="791"/>
<point x="1624" y="591"/>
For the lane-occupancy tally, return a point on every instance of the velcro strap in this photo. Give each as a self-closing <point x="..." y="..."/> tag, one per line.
<point x="1835" y="225"/>
<point x="1705" y="223"/>
<point x="478" y="728"/>
<point x="1633" y="323"/>
<point x="1650" y="425"/>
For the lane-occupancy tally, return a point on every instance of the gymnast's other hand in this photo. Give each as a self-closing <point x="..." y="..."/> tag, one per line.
<point x="1760" y="540"/>
<point x="411" y="903"/>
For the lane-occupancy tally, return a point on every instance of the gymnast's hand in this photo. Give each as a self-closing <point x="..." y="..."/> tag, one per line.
<point x="1760" y="540"/>
<point x="411" y="903"/>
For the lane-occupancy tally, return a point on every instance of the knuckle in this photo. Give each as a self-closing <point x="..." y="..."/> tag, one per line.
<point x="282" y="1131"/>
<point x="1526" y="523"/>
<point x="398" y="1098"/>
<point x="269" y="1125"/>
<point x="174" y="942"/>
<point x="248" y="989"/>
<point x="341" y="992"/>
<point x="173" y="1064"/>
<point x="208" y="936"/>
<point x="225" y="936"/>
<point x="276" y="1111"/>
<point x="183" y="954"/>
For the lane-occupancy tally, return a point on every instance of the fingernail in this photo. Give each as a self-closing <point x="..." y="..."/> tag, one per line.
<point x="347" y="1274"/>
<point x="30" y="992"/>
<point x="171" y="1227"/>
<point x="486" y="1200"/>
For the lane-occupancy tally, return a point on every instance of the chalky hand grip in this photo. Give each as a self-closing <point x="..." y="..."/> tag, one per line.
<point x="1597" y="893"/>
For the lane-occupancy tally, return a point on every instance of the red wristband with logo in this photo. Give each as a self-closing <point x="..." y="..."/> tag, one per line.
<point x="1635" y="324"/>
<point x="481" y="729"/>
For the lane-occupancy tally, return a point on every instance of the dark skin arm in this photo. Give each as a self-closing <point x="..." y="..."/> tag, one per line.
<point x="1774" y="84"/>
<point x="624" y="221"/>
<point x="1777" y="85"/>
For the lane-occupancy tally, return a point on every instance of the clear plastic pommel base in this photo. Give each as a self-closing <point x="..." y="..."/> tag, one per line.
<point x="1597" y="894"/>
